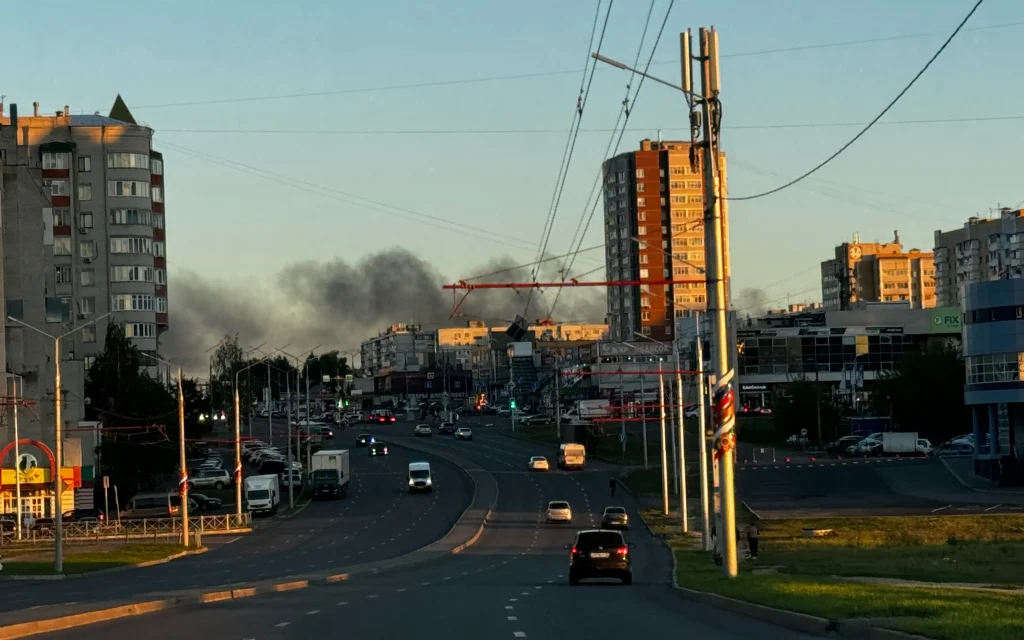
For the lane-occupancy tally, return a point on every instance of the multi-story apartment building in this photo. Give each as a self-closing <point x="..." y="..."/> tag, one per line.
<point x="400" y="347"/>
<point x="83" y="235"/>
<point x="983" y="249"/>
<point x="654" y="230"/>
<point x="877" y="272"/>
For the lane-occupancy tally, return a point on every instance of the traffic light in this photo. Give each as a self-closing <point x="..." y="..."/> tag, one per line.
<point x="346" y="402"/>
<point x="512" y="403"/>
<point x="339" y="404"/>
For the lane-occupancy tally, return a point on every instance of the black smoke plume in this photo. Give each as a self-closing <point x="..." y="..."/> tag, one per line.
<point x="338" y="305"/>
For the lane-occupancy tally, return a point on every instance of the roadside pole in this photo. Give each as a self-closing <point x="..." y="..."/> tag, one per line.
<point x="680" y="410"/>
<point x="183" y="482"/>
<point x="705" y="515"/>
<point x="558" y="403"/>
<point x="664" y="447"/>
<point x="270" y="410"/>
<point x="238" y="457"/>
<point x="622" y="416"/>
<point x="17" y="459"/>
<point x="643" y="415"/>
<point x="288" y="455"/>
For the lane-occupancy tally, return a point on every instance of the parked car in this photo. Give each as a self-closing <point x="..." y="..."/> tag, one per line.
<point x="955" y="449"/>
<point x="205" y="502"/>
<point x="210" y="478"/>
<point x="842" y="444"/>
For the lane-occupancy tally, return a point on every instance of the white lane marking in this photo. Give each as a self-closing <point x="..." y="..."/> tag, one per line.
<point x="537" y="587"/>
<point x="511" y="618"/>
<point x="995" y="507"/>
<point x="513" y="599"/>
<point x="371" y="596"/>
<point x="282" y="625"/>
<point x="424" y="584"/>
<point x="551" y="581"/>
<point x="941" y="508"/>
<point x="519" y="634"/>
<point x="342" y="603"/>
<point x="312" y="612"/>
<point x="525" y="593"/>
<point x="509" y="607"/>
<point x="401" y="590"/>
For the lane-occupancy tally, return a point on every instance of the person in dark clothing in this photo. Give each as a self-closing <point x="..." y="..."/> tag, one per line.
<point x="611" y="485"/>
<point x="753" y="535"/>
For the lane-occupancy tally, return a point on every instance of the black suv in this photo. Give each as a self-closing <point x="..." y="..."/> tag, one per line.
<point x="600" y="553"/>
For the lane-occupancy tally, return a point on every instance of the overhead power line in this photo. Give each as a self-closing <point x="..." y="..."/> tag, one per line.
<point x="884" y="111"/>
<point x="467" y="132"/>
<point x="540" y="74"/>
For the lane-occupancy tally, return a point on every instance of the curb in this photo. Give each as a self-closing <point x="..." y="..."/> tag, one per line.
<point x="89" y="574"/>
<point x="801" y="622"/>
<point x="235" y="592"/>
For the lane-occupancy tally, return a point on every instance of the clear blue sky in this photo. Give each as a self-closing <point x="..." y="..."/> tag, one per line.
<point x="916" y="177"/>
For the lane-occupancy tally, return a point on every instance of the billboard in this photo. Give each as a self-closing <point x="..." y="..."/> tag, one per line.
<point x="946" y="320"/>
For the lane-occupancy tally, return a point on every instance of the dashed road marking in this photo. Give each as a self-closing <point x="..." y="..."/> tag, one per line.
<point x="519" y="634"/>
<point x="511" y="618"/>
<point x="282" y="625"/>
<point x="342" y="603"/>
<point x="371" y="596"/>
<point x="401" y="590"/>
<point x="312" y="612"/>
<point x="509" y="607"/>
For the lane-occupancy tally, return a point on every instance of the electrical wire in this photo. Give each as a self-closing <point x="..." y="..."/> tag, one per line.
<point x="624" y="113"/>
<point x="873" y="121"/>
<point x="539" y="74"/>
<point x="468" y="132"/>
<point x="528" y="264"/>
<point x="570" y="143"/>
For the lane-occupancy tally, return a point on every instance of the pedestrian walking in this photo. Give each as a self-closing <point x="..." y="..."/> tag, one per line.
<point x="611" y="485"/>
<point x="753" y="535"/>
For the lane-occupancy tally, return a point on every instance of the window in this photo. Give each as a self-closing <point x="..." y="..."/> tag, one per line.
<point x="88" y="361"/>
<point x="158" y="220"/>
<point x="131" y="274"/>
<point x="127" y="188"/>
<point x="85" y="192"/>
<point x="158" y="194"/>
<point x="160" y="276"/>
<point x="84" y="221"/>
<point x="87" y="306"/>
<point x="131" y="302"/>
<point x="53" y="309"/>
<point x="696" y="242"/>
<point x="88" y="278"/>
<point x="700" y="299"/>
<point x="127" y="161"/>
<point x="61" y="217"/>
<point x="158" y="249"/>
<point x="640" y="187"/>
<point x="643" y="259"/>
<point x="131" y="245"/>
<point x="87" y="249"/>
<point x="56" y="187"/>
<point x="84" y="164"/>
<point x="641" y="202"/>
<point x="156" y="166"/>
<point x="642" y="230"/>
<point x="678" y="199"/>
<point x="140" y="330"/>
<point x="62" y="246"/>
<point x="668" y="330"/>
<point x="694" y="199"/>
<point x="131" y="216"/>
<point x="693" y="184"/>
<point x="645" y="331"/>
<point x="680" y="271"/>
<point x="645" y="301"/>
<point x="55" y="161"/>
<point x="639" y="173"/>
<point x="62" y="274"/>
<point x="161" y="305"/>
<point x="644" y="273"/>
<point x="645" y="315"/>
<point x="679" y="171"/>
<point x="89" y="333"/>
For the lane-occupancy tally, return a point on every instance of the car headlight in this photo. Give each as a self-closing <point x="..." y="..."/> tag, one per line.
<point x="411" y="482"/>
<point x="429" y="481"/>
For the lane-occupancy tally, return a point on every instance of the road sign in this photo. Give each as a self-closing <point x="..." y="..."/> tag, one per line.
<point x="622" y="437"/>
<point x="430" y="375"/>
<point x="803" y="432"/>
<point x="106" y="482"/>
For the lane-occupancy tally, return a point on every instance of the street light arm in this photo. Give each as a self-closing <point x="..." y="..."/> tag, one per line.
<point x="86" y="324"/>
<point x="625" y="67"/>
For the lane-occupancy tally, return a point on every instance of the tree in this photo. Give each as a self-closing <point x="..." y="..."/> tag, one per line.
<point x="227" y="360"/>
<point x="926" y="393"/>
<point x="795" y="406"/>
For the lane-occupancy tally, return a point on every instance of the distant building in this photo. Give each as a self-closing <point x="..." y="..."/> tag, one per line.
<point x="400" y="347"/>
<point x="877" y="272"/>
<point x="983" y="249"/>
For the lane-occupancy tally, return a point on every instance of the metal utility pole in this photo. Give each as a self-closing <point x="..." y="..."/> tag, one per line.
<point x="714" y="243"/>
<point x="558" y="403"/>
<point x="270" y="410"/>
<point x="17" y="459"/>
<point x="622" y="416"/>
<point x="288" y="455"/>
<point x="238" y="456"/>
<point x="705" y="506"/>
<point x="643" y="416"/>
<point x="680" y="410"/>
<point x="664" y="444"/>
<point x="183" y="482"/>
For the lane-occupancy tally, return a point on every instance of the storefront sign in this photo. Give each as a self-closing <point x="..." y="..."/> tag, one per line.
<point x="946" y="320"/>
<point x="753" y="387"/>
<point x="883" y="329"/>
<point x="608" y="349"/>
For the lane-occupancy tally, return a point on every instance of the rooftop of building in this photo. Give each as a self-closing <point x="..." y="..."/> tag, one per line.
<point x="119" y="115"/>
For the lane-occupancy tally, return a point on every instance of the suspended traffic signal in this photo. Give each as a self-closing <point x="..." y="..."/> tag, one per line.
<point x="512" y="403"/>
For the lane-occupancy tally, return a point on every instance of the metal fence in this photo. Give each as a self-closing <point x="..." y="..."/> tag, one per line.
<point x="127" y="530"/>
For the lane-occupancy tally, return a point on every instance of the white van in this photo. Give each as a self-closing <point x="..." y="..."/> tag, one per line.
<point x="420" y="478"/>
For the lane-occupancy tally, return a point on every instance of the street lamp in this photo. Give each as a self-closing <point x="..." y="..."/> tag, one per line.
<point x="238" y="444"/>
<point x="58" y="448"/>
<point x="288" y="455"/>
<point x="17" y="451"/>
<point x="183" y="479"/>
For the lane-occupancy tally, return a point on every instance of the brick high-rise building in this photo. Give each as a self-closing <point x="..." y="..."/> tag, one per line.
<point x="983" y="249"/>
<point x="82" y="199"/>
<point x="654" y="210"/>
<point x="877" y="272"/>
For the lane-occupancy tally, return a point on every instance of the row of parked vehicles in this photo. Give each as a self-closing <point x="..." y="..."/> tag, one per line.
<point x="899" y="443"/>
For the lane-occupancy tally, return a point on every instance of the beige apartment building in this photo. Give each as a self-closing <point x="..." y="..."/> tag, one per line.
<point x="983" y="249"/>
<point x="654" y="230"/>
<point x="877" y="272"/>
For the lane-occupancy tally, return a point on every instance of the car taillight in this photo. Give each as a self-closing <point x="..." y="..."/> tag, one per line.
<point x="623" y="551"/>
<point x="392" y="419"/>
<point x="575" y="551"/>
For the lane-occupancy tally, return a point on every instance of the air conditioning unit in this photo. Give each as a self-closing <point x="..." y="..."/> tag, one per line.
<point x="87" y="260"/>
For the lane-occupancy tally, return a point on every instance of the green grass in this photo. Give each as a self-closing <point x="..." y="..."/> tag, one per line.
<point x="644" y="481"/>
<point x="985" y="550"/>
<point x="94" y="560"/>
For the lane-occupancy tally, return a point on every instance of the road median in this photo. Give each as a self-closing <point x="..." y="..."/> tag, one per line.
<point x="464" y="533"/>
<point x="944" y="578"/>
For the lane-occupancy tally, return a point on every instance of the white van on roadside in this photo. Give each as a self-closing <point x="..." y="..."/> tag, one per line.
<point x="420" y="478"/>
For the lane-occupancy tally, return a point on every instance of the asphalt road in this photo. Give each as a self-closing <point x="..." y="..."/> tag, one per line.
<point x="511" y="584"/>
<point x="378" y="520"/>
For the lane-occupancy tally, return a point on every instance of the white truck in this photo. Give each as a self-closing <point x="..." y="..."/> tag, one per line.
<point x="587" y="410"/>
<point x="331" y="470"/>
<point x="263" y="493"/>
<point x="899" y="443"/>
<point x="572" y="455"/>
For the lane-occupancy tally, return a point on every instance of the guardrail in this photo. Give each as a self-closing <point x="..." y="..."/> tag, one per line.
<point x="136" y="529"/>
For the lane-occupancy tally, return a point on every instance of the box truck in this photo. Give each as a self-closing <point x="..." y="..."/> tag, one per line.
<point x="899" y="443"/>
<point x="585" y="410"/>
<point x="263" y="493"/>
<point x="331" y="472"/>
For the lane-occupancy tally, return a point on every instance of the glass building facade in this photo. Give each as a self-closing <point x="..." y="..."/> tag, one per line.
<point x="761" y="353"/>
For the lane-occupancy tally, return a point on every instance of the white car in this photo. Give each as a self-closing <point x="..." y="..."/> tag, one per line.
<point x="559" y="511"/>
<point x="422" y="430"/>
<point x="539" y="463"/>
<point x="463" y="433"/>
